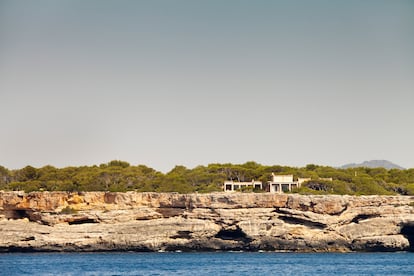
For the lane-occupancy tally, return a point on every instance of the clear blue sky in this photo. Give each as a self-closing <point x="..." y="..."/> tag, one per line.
<point x="193" y="82"/>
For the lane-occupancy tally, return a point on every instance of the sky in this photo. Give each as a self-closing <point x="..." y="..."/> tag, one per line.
<point x="166" y="83"/>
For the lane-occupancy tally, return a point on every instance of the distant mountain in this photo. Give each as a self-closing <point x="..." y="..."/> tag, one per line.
<point x="374" y="164"/>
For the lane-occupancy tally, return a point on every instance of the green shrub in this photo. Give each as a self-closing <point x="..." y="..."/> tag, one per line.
<point x="68" y="211"/>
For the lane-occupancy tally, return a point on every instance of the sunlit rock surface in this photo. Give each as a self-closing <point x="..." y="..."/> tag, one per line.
<point x="99" y="221"/>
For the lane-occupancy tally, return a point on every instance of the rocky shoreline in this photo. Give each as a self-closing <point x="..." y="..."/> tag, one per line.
<point x="103" y="221"/>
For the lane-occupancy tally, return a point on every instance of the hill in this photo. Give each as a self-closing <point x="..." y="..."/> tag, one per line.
<point x="374" y="164"/>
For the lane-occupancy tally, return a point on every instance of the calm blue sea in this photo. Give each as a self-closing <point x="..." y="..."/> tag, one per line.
<point x="207" y="264"/>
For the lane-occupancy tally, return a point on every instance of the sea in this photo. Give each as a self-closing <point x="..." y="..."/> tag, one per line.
<point x="217" y="263"/>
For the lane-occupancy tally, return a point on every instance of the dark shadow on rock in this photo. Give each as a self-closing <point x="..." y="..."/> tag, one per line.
<point x="182" y="235"/>
<point x="303" y="221"/>
<point x="81" y="221"/>
<point x="235" y="235"/>
<point x="407" y="230"/>
<point x="360" y="217"/>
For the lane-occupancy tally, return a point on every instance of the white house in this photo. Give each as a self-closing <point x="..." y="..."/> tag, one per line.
<point x="284" y="183"/>
<point x="231" y="186"/>
<point x="279" y="184"/>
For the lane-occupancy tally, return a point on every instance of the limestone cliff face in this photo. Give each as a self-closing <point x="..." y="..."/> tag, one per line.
<point x="99" y="221"/>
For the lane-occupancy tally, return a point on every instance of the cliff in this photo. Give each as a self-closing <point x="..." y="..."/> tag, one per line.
<point x="99" y="221"/>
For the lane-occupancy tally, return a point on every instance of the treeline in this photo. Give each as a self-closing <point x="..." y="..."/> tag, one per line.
<point x="120" y="176"/>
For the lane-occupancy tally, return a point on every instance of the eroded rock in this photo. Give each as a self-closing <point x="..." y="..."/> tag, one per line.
<point x="99" y="221"/>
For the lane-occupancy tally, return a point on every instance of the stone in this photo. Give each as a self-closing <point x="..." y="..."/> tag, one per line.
<point x="104" y="221"/>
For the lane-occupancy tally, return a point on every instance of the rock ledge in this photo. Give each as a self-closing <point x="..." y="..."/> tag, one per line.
<point x="103" y="221"/>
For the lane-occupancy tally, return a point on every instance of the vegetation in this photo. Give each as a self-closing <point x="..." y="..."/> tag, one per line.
<point x="68" y="211"/>
<point x="120" y="176"/>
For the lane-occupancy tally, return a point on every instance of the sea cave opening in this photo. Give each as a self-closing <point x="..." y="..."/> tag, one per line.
<point x="230" y="234"/>
<point x="17" y="214"/>
<point x="407" y="231"/>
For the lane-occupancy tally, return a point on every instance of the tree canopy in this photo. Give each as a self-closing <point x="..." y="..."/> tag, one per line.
<point x="120" y="176"/>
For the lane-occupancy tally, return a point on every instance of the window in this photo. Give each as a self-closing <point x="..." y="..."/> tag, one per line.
<point x="285" y="187"/>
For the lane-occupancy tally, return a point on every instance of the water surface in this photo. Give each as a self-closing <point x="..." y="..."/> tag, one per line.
<point x="207" y="263"/>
